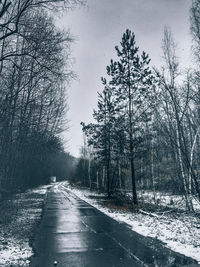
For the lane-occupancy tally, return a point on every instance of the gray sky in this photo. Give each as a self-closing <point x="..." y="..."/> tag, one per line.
<point x="98" y="28"/>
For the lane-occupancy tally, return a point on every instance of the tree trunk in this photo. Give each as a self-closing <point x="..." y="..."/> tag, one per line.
<point x="189" y="205"/>
<point x="108" y="178"/>
<point x="191" y="161"/>
<point x="97" y="180"/>
<point x="133" y="180"/>
<point x="89" y="174"/>
<point x="120" y="175"/>
<point x="152" y="171"/>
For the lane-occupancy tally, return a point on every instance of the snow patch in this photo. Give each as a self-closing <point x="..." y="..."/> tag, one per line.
<point x="23" y="211"/>
<point x="16" y="254"/>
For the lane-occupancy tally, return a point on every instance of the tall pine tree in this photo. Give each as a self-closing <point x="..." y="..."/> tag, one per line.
<point x="100" y="134"/>
<point x="132" y="79"/>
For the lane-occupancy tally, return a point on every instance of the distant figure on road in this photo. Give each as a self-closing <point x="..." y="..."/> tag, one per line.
<point x="52" y="179"/>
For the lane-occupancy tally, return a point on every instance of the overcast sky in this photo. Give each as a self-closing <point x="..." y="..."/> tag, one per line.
<point x="98" y="28"/>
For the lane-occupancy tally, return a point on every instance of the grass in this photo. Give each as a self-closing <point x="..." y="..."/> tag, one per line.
<point x="19" y="219"/>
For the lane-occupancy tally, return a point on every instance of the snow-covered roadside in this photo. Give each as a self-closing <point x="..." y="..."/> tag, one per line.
<point x="180" y="232"/>
<point x="18" y="220"/>
<point x="166" y="199"/>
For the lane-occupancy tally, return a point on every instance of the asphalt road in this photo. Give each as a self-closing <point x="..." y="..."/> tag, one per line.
<point x="73" y="233"/>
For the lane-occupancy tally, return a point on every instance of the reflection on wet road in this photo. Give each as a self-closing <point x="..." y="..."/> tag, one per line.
<point x="73" y="233"/>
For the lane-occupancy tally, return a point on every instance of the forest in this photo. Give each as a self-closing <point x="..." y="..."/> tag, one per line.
<point x="146" y="128"/>
<point x="132" y="196"/>
<point x="35" y="72"/>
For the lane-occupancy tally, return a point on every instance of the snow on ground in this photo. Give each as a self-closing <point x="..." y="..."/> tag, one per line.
<point x="166" y="199"/>
<point x="180" y="231"/>
<point x="16" y="254"/>
<point x="19" y="217"/>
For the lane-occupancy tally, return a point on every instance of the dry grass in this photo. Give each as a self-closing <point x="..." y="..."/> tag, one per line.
<point x="125" y="204"/>
<point x="19" y="218"/>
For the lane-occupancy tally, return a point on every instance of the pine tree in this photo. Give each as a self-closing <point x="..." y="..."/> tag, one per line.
<point x="132" y="79"/>
<point x="100" y="134"/>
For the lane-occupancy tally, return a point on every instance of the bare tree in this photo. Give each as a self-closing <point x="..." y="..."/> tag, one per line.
<point x="175" y="107"/>
<point x="34" y="93"/>
<point x="12" y="13"/>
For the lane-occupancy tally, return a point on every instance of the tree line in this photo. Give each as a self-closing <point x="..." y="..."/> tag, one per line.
<point x="35" y="71"/>
<point x="146" y="133"/>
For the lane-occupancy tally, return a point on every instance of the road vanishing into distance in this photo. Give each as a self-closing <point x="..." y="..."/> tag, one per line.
<point x="73" y="233"/>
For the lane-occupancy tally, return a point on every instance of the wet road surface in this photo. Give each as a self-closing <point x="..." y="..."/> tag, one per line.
<point x="73" y="233"/>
